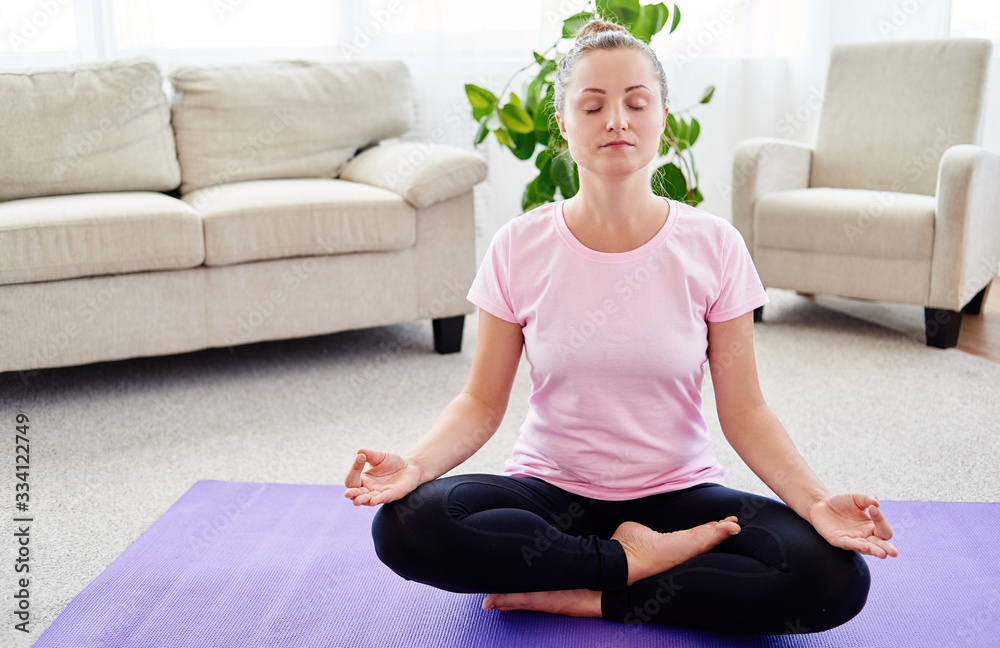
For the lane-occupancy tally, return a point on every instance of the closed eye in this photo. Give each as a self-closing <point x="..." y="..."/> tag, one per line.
<point x="597" y="110"/>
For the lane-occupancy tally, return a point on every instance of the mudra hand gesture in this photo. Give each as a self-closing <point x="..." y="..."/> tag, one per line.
<point x="853" y="521"/>
<point x="389" y="478"/>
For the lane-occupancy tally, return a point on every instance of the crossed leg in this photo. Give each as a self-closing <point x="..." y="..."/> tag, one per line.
<point x="534" y="546"/>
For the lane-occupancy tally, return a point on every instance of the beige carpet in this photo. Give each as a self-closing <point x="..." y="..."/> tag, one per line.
<point x="115" y="444"/>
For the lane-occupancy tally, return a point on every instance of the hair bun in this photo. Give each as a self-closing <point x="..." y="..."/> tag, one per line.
<point x="596" y="25"/>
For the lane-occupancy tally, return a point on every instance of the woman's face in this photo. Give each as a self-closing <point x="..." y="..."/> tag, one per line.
<point x="612" y="113"/>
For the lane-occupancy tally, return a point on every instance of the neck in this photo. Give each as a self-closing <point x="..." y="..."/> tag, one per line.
<point x="624" y="203"/>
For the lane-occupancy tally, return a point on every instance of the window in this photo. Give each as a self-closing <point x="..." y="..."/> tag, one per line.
<point x="975" y="19"/>
<point x="37" y="26"/>
<point x="220" y="24"/>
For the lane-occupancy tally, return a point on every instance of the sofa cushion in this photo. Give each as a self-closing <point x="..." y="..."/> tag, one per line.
<point x="97" y="127"/>
<point x="854" y="222"/>
<point x="284" y="119"/>
<point x="271" y="219"/>
<point x="61" y="237"/>
<point x="424" y="174"/>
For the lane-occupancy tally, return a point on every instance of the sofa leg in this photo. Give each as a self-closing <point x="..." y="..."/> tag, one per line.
<point x="975" y="306"/>
<point x="942" y="327"/>
<point x="758" y="314"/>
<point x="448" y="334"/>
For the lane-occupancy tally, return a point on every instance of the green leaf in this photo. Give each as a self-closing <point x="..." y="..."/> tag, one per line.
<point x="542" y="137"/>
<point x="664" y="144"/>
<point x="696" y="198"/>
<point x="623" y="12"/>
<point x="682" y="135"/>
<point x="538" y="57"/>
<point x="515" y="118"/>
<point x="677" y="19"/>
<point x="660" y="12"/>
<point x="531" y="199"/>
<point x="483" y="101"/>
<point x="544" y="157"/>
<point x="481" y="132"/>
<point x="709" y="91"/>
<point x="671" y="125"/>
<point x="668" y="181"/>
<point x="651" y="20"/>
<point x="538" y="192"/>
<point x="693" y="132"/>
<point x="573" y="24"/>
<point x="564" y="176"/>
<point x="524" y="145"/>
<point x="531" y="96"/>
<point x="504" y="138"/>
<point x="545" y="110"/>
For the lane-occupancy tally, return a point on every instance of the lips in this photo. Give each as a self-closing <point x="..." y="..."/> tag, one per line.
<point x="617" y="144"/>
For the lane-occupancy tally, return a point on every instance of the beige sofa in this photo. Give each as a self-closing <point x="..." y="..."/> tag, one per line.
<point x="258" y="202"/>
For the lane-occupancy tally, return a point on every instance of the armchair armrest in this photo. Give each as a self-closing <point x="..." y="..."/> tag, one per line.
<point x="966" y="252"/>
<point x="424" y="174"/>
<point x="760" y="166"/>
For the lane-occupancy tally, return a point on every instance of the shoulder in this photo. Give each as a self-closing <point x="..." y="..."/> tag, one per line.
<point x="532" y="227"/>
<point x="538" y="220"/>
<point x="700" y="226"/>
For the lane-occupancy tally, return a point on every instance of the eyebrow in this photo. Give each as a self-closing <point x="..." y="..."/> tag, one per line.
<point x="627" y="90"/>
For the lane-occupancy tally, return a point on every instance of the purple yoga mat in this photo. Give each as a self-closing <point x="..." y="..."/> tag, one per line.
<point x="281" y="565"/>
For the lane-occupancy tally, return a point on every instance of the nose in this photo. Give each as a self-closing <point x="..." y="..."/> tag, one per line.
<point x="617" y="119"/>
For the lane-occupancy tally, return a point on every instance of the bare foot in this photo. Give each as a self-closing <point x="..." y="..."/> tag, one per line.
<point x="578" y="603"/>
<point x="652" y="553"/>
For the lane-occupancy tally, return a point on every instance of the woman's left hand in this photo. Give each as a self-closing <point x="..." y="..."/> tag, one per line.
<point x="854" y="522"/>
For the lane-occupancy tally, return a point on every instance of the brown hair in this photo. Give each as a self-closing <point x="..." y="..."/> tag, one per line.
<point x="599" y="34"/>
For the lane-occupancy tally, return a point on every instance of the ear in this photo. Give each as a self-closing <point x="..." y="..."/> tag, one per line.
<point x="562" y="128"/>
<point x="663" y="126"/>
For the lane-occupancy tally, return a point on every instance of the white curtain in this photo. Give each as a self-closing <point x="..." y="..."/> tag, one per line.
<point x="766" y="58"/>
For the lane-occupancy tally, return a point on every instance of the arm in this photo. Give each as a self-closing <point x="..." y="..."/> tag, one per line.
<point x="749" y="425"/>
<point x="758" y="437"/>
<point x="465" y="425"/>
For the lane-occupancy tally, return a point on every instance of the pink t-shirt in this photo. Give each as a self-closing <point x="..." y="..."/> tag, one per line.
<point x="616" y="343"/>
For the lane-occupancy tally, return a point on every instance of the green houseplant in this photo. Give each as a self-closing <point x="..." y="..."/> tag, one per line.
<point x="524" y="123"/>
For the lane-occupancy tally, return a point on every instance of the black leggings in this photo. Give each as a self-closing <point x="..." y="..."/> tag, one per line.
<point x="496" y="533"/>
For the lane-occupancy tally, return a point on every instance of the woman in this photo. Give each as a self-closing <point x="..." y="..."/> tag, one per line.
<point x="612" y="504"/>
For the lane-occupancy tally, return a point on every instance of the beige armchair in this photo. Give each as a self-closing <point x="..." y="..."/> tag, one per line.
<point x="895" y="202"/>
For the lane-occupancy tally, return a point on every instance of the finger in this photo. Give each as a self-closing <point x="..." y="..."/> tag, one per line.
<point x="351" y="493"/>
<point x="375" y="457"/>
<point x="852" y="544"/>
<point x="353" y="479"/>
<point x="882" y="528"/>
<point x="864" y="500"/>
<point x="889" y="548"/>
<point x="866" y="547"/>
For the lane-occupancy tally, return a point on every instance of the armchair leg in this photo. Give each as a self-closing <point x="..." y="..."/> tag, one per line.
<point x="975" y="306"/>
<point x="448" y="334"/>
<point x="758" y="314"/>
<point x="942" y="327"/>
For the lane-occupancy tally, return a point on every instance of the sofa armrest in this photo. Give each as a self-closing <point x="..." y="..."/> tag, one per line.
<point x="966" y="226"/>
<point x="424" y="174"/>
<point x="763" y="165"/>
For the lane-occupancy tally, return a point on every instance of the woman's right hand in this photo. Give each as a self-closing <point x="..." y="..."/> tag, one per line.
<point x="389" y="478"/>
